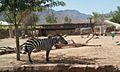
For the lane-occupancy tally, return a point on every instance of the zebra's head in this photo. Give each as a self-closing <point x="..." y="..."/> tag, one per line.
<point x="59" y="39"/>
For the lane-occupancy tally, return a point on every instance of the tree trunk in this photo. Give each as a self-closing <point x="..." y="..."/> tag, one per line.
<point x="17" y="38"/>
<point x="17" y="42"/>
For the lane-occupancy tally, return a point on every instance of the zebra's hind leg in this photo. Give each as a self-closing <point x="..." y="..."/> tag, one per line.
<point x="47" y="55"/>
<point x="29" y="56"/>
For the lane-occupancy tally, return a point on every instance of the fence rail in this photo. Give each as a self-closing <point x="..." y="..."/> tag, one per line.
<point x="47" y="29"/>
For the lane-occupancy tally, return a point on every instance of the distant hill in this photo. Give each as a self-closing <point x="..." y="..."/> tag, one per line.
<point x="75" y="16"/>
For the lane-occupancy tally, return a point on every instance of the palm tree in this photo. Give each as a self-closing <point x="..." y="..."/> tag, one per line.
<point x="116" y="16"/>
<point x="99" y="19"/>
<point x="96" y="17"/>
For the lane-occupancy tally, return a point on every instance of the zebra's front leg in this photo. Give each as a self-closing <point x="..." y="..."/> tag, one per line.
<point x="82" y="36"/>
<point x="47" y="55"/>
<point x="88" y="35"/>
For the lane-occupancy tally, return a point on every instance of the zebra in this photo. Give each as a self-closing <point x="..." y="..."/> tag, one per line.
<point x="82" y="31"/>
<point x="34" y="33"/>
<point x="45" y="44"/>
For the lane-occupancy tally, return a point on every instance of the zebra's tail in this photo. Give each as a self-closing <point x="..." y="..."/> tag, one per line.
<point x="23" y="48"/>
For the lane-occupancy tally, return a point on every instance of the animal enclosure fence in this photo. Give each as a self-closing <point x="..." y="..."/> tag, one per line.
<point x="47" y="29"/>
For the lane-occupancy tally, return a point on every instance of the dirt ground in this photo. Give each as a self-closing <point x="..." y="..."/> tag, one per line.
<point x="108" y="53"/>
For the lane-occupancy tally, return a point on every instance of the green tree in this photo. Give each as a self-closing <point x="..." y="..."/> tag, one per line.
<point x="99" y="19"/>
<point x="96" y="17"/>
<point x="116" y="16"/>
<point x="6" y="18"/>
<point x="50" y="18"/>
<point x="28" y="19"/>
<point x="67" y="19"/>
<point x="16" y="7"/>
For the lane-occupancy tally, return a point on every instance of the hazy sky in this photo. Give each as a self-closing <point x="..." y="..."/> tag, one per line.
<point x="89" y="6"/>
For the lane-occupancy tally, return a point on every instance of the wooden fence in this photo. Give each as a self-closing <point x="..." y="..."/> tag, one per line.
<point x="45" y="30"/>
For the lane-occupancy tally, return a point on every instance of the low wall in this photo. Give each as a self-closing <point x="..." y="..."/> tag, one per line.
<point x="60" y="68"/>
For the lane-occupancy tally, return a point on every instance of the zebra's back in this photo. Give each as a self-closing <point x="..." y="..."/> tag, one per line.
<point x="39" y="44"/>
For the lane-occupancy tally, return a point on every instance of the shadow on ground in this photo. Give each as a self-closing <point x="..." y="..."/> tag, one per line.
<point x="66" y="60"/>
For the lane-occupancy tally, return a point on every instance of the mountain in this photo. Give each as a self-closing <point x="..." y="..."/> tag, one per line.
<point x="76" y="16"/>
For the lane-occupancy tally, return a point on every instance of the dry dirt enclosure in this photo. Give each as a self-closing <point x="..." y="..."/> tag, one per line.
<point x="108" y="53"/>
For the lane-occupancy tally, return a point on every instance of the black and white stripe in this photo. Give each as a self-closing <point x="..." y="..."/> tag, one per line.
<point x="45" y="44"/>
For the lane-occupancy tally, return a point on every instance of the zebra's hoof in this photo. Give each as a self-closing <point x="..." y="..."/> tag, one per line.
<point x="47" y="61"/>
<point x="31" y="62"/>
